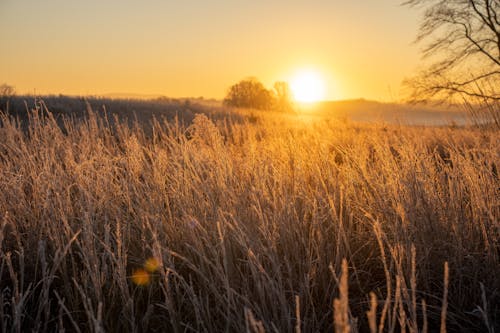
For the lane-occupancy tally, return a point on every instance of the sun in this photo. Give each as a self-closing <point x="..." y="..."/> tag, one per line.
<point x="307" y="87"/>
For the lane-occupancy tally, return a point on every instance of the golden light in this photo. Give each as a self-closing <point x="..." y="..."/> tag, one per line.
<point x="307" y="87"/>
<point x="141" y="277"/>
<point x="152" y="265"/>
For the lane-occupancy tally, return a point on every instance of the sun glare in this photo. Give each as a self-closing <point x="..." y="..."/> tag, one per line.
<point x="307" y="87"/>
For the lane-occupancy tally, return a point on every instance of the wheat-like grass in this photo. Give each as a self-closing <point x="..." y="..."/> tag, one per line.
<point x="238" y="226"/>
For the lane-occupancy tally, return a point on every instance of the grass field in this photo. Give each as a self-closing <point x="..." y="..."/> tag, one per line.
<point x="278" y="223"/>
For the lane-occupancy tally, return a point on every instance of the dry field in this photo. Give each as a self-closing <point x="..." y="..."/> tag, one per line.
<point x="278" y="223"/>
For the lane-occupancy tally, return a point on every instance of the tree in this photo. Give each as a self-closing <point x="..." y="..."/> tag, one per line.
<point x="463" y="45"/>
<point x="249" y="93"/>
<point x="283" y="96"/>
<point x="6" y="93"/>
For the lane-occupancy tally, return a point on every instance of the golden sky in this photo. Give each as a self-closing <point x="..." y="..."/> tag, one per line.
<point x="191" y="48"/>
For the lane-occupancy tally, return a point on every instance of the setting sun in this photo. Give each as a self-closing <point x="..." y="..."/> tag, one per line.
<point x="307" y="87"/>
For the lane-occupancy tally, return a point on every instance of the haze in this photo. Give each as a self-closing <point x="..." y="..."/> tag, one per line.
<point x="199" y="48"/>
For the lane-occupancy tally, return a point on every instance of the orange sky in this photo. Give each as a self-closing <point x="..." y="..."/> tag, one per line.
<point x="199" y="48"/>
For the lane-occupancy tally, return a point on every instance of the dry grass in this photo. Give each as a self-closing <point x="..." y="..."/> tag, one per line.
<point x="277" y="225"/>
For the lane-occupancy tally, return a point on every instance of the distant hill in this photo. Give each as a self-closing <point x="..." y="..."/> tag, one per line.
<point x="145" y="107"/>
<point x="369" y="111"/>
<point x="130" y="109"/>
<point x="121" y="95"/>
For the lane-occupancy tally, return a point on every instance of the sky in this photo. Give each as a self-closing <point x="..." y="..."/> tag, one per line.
<point x="194" y="48"/>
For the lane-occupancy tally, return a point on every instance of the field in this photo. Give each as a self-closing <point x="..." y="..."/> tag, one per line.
<point x="247" y="223"/>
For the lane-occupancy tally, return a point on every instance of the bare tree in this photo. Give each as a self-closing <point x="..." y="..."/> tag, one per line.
<point x="283" y="96"/>
<point x="6" y="93"/>
<point x="462" y="42"/>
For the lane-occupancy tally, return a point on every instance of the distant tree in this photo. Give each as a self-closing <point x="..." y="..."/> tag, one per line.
<point x="6" y="93"/>
<point x="283" y="96"/>
<point x="463" y="44"/>
<point x="249" y="93"/>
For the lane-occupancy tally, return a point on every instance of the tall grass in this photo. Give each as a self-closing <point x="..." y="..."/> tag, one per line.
<point x="483" y="112"/>
<point x="277" y="225"/>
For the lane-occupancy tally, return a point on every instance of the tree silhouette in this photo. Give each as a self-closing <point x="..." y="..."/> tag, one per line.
<point x="6" y="92"/>
<point x="463" y="43"/>
<point x="249" y="93"/>
<point x="283" y="96"/>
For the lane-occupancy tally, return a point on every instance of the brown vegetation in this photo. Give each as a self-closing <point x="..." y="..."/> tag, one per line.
<point x="274" y="225"/>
